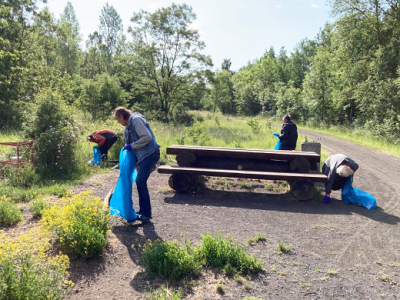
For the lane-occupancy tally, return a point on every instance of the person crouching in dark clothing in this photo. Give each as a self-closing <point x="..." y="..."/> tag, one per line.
<point x="339" y="168"/>
<point x="105" y="138"/>
<point x="288" y="136"/>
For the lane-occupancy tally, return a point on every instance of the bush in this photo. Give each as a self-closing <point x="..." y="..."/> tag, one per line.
<point x="28" y="272"/>
<point x="55" y="138"/>
<point x="38" y="206"/>
<point x="169" y="259"/>
<point x="80" y="224"/>
<point x="231" y="258"/>
<point x="10" y="214"/>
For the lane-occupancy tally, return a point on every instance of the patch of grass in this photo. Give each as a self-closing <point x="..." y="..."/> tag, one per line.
<point x="252" y="240"/>
<point x="331" y="272"/>
<point x="386" y="279"/>
<point x="251" y="298"/>
<point x="170" y="259"/>
<point x="10" y="214"/>
<point x="377" y="262"/>
<point x="38" y="206"/>
<point x="220" y="289"/>
<point x="284" y="248"/>
<point x="164" y="294"/>
<point x="224" y="254"/>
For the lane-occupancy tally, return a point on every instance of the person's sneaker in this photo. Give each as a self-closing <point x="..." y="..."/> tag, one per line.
<point x="144" y="218"/>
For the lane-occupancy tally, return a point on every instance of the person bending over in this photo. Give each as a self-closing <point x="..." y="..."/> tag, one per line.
<point x="105" y="138"/>
<point x="338" y="168"/>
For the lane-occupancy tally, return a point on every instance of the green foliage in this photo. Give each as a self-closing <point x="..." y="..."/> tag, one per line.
<point x="224" y="254"/>
<point x="284" y="248"/>
<point x="79" y="224"/>
<point x="169" y="259"/>
<point x="27" y="271"/>
<point x="198" y="134"/>
<point x="254" y="125"/>
<point x="38" y="206"/>
<point x="164" y="294"/>
<point x="55" y="138"/>
<point x="255" y="239"/>
<point x="10" y="214"/>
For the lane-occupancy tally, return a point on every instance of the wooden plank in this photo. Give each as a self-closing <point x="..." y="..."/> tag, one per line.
<point x="243" y="174"/>
<point x="243" y="153"/>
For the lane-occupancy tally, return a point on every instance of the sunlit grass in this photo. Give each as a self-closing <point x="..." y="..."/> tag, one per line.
<point x="358" y="136"/>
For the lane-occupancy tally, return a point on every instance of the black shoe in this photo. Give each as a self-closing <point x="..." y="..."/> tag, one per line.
<point x="144" y="218"/>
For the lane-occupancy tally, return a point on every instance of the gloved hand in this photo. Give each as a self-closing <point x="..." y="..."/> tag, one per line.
<point x="327" y="198"/>
<point x="275" y="134"/>
<point x="128" y="147"/>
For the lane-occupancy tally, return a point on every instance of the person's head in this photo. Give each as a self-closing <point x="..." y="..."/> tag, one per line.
<point x="286" y="118"/>
<point x="344" y="171"/>
<point x="122" y="115"/>
<point x="89" y="137"/>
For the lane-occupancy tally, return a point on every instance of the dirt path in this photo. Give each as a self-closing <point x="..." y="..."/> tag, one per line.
<point x="338" y="251"/>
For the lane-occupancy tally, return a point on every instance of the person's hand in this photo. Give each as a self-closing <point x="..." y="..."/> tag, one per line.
<point x="327" y="198"/>
<point x="275" y="134"/>
<point x="128" y="147"/>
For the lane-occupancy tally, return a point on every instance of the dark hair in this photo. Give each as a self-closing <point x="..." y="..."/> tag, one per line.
<point x="288" y="117"/>
<point x="122" y="111"/>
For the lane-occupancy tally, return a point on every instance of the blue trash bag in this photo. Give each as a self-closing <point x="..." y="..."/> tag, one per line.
<point x="121" y="201"/>
<point x="277" y="144"/>
<point x="352" y="195"/>
<point x="97" y="155"/>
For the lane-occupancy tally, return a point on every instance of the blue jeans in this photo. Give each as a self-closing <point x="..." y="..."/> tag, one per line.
<point x="145" y="167"/>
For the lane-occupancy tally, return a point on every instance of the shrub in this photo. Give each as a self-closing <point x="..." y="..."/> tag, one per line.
<point x="10" y="214"/>
<point x="55" y="138"/>
<point x="169" y="259"/>
<point x="284" y="248"/>
<point x="28" y="272"/>
<point x="223" y="254"/>
<point x="79" y="223"/>
<point x="38" y="206"/>
<point x="164" y="294"/>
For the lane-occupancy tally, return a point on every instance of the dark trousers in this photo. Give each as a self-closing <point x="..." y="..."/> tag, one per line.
<point x="145" y="167"/>
<point x="107" y="145"/>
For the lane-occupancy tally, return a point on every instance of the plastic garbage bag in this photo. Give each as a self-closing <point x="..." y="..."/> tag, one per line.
<point x="352" y="195"/>
<point x="96" y="157"/>
<point x="277" y="145"/>
<point x="121" y="200"/>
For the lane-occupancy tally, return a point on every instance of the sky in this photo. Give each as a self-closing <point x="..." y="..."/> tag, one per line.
<point x="239" y="30"/>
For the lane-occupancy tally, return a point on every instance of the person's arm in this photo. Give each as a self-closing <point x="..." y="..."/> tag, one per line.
<point x="284" y="132"/>
<point x="99" y="139"/>
<point x="143" y="133"/>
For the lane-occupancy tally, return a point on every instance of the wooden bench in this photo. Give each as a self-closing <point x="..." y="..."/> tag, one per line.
<point x="291" y="166"/>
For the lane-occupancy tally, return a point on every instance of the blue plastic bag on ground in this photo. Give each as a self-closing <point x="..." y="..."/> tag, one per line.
<point x="121" y="200"/>
<point x="97" y="155"/>
<point x="352" y="195"/>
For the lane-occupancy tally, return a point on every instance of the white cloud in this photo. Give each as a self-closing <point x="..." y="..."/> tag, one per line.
<point x="278" y="6"/>
<point x="314" y="5"/>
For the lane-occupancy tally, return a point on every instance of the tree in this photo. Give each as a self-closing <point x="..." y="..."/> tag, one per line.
<point x="111" y="33"/>
<point x="168" y="57"/>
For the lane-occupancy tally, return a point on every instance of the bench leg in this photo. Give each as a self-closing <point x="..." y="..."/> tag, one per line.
<point x="186" y="159"/>
<point x="303" y="189"/>
<point x="180" y="182"/>
<point x="300" y="165"/>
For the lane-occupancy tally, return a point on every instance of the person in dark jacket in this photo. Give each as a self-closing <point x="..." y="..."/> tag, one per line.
<point x="338" y="168"/>
<point x="105" y="138"/>
<point x="288" y="136"/>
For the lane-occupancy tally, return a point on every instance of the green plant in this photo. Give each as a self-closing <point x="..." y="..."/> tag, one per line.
<point x="255" y="239"/>
<point x="28" y="272"/>
<point x="254" y="125"/>
<point x="10" y="214"/>
<point x="224" y="254"/>
<point x="169" y="259"/>
<point x="164" y="294"/>
<point x="386" y="279"/>
<point x="331" y="272"/>
<point x="284" y="248"/>
<point x="38" y="206"/>
<point x="79" y="223"/>
<point x="220" y="289"/>
<point x="198" y="132"/>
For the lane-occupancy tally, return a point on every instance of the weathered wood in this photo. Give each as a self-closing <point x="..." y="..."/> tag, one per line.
<point x="285" y="155"/>
<point x="180" y="182"/>
<point x="241" y="164"/>
<point x="242" y="174"/>
<point x="303" y="189"/>
<point x="107" y="199"/>
<point x="186" y="159"/>
<point x="300" y="165"/>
